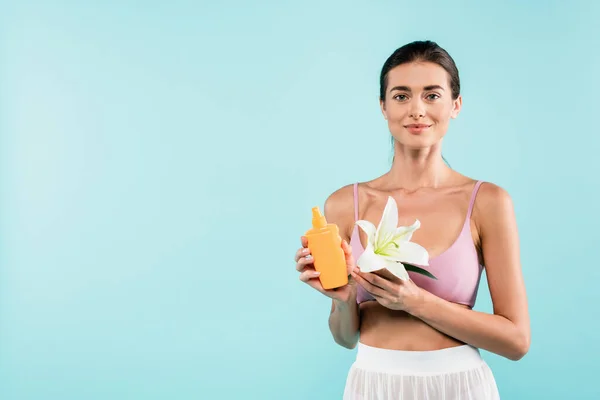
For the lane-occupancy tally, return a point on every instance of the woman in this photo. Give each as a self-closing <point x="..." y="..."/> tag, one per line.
<point x="420" y="338"/>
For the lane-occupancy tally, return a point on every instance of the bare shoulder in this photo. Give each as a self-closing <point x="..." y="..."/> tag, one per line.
<point x="493" y="208"/>
<point x="339" y="209"/>
<point x="492" y="198"/>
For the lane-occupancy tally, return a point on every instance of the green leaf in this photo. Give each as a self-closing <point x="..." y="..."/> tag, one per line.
<point x="414" y="268"/>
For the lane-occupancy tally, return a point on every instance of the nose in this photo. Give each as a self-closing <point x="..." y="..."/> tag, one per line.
<point x="417" y="110"/>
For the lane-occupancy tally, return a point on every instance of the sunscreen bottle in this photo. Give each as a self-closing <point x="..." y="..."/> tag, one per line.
<point x="325" y="245"/>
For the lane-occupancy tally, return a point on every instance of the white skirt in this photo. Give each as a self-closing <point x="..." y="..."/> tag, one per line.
<point x="456" y="373"/>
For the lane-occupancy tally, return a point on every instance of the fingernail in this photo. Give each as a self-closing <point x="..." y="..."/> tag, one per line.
<point x="308" y="257"/>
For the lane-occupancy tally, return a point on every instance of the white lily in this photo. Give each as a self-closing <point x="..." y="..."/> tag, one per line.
<point x="389" y="246"/>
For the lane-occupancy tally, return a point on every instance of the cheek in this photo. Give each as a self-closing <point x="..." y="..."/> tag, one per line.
<point x="396" y="112"/>
<point x="441" y="113"/>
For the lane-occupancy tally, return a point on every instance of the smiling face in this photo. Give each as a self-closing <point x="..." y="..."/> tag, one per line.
<point x="418" y="104"/>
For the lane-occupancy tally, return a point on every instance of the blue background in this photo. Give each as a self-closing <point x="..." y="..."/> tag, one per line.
<point x="158" y="164"/>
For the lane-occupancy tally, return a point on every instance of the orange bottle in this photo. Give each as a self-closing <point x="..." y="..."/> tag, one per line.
<point x="325" y="245"/>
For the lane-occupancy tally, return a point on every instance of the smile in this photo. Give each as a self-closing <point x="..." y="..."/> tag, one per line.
<point x="417" y="128"/>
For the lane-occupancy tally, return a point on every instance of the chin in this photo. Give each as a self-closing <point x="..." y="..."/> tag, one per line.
<point x="417" y="141"/>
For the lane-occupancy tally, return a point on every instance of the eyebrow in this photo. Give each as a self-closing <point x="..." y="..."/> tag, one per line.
<point x="407" y="89"/>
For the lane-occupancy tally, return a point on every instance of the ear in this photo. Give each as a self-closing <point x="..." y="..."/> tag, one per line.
<point x="456" y="107"/>
<point x="382" y="105"/>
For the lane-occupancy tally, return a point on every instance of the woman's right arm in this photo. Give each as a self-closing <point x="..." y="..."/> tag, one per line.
<point x="344" y="319"/>
<point x="344" y="322"/>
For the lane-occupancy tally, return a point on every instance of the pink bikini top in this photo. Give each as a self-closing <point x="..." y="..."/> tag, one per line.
<point x="457" y="269"/>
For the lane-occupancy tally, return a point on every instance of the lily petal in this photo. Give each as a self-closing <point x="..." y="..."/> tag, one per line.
<point x="408" y="252"/>
<point x="398" y="269"/>
<point x="369" y="261"/>
<point x="404" y="233"/>
<point x="388" y="223"/>
<point x="369" y="229"/>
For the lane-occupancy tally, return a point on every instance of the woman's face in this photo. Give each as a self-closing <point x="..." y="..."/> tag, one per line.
<point x="418" y="104"/>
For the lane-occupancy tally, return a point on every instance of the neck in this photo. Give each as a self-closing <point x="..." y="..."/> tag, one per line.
<point x="413" y="169"/>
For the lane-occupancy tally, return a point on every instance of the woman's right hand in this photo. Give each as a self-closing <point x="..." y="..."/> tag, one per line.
<point x="308" y="274"/>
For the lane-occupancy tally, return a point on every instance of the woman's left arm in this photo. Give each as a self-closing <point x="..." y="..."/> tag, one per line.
<point x="505" y="332"/>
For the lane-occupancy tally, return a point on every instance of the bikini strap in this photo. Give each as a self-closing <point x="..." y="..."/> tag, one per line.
<point x="356" y="201"/>
<point x="472" y="202"/>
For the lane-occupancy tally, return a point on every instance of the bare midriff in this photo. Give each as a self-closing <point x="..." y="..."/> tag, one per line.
<point x="398" y="330"/>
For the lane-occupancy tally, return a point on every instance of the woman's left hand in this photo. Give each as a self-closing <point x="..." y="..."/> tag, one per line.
<point x="391" y="292"/>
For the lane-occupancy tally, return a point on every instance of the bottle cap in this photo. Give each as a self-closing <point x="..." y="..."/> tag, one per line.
<point x="318" y="220"/>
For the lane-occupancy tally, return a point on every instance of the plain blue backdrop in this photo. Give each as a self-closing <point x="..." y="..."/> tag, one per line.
<point x="158" y="164"/>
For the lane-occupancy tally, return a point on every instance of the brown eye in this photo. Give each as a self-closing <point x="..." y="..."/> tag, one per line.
<point x="400" y="97"/>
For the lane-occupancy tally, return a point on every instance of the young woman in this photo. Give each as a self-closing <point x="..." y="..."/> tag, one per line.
<point x="420" y="338"/>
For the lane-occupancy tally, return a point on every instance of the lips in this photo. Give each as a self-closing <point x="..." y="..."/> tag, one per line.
<point x="417" y="128"/>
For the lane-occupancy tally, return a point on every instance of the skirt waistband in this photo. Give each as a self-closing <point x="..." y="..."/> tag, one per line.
<point x="453" y="359"/>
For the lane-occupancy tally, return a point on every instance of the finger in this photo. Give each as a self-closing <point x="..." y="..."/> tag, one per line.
<point x="303" y="252"/>
<point x="350" y="262"/>
<point x="368" y="286"/>
<point x="304" y="241"/>
<point x="377" y="281"/>
<point x="303" y="262"/>
<point x="347" y="249"/>
<point x="308" y="275"/>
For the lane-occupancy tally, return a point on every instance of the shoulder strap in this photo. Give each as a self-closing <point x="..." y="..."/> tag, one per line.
<point x="356" y="201"/>
<point x="473" y="195"/>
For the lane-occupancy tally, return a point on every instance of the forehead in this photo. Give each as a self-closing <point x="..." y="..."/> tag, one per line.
<point x="417" y="75"/>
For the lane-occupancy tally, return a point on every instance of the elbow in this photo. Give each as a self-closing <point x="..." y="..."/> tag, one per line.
<point x="519" y="347"/>
<point x="344" y="342"/>
<point x="347" y="345"/>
